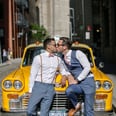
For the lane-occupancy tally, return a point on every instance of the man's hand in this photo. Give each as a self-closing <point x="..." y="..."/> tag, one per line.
<point x="28" y="94"/>
<point x="71" y="80"/>
<point x="63" y="81"/>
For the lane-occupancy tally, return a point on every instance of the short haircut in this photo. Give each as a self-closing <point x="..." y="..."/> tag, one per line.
<point x="47" y="41"/>
<point x="66" y="41"/>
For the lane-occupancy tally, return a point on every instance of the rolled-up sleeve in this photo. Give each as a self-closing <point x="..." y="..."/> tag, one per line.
<point x="84" y="63"/>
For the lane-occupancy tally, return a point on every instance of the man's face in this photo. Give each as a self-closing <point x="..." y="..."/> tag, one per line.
<point x="60" y="47"/>
<point x="52" y="47"/>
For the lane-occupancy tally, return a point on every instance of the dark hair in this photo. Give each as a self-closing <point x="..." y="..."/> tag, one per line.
<point x="47" y="41"/>
<point x="66" y="41"/>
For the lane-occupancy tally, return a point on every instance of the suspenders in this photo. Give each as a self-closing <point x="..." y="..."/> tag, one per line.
<point x="41" y="69"/>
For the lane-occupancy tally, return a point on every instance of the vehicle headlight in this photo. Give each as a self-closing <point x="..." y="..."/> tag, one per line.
<point x="7" y="84"/>
<point x="107" y="85"/>
<point x="98" y="84"/>
<point x="17" y="84"/>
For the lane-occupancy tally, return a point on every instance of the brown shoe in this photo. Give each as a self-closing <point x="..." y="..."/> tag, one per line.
<point x="73" y="111"/>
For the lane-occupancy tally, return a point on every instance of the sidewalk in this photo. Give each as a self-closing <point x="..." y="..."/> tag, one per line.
<point x="10" y="62"/>
<point x="113" y="78"/>
<point x="114" y="104"/>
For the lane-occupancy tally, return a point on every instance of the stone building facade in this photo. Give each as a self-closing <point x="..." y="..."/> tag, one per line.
<point x="54" y="15"/>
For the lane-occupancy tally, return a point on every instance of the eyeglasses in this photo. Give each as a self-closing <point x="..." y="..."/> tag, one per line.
<point x="60" y="45"/>
<point x="53" y="45"/>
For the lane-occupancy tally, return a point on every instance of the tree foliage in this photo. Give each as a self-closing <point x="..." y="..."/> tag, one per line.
<point x="37" y="33"/>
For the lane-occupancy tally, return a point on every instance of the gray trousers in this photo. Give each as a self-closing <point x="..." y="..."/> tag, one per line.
<point x="42" y="94"/>
<point x="87" y="88"/>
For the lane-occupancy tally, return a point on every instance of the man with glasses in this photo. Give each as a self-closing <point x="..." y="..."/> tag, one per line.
<point x="83" y="82"/>
<point x="43" y="73"/>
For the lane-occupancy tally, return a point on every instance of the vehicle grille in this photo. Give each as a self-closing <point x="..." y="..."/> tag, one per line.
<point x="60" y="102"/>
<point x="25" y="100"/>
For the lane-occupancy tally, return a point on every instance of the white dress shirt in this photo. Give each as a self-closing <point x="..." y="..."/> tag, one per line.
<point x="84" y="63"/>
<point x="45" y="71"/>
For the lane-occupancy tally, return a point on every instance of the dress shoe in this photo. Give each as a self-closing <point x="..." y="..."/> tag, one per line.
<point x="73" y="111"/>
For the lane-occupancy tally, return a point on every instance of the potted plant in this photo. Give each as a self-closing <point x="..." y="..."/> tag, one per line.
<point x="37" y="33"/>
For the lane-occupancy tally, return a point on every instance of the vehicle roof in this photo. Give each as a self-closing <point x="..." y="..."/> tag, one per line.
<point x="81" y="45"/>
<point x="34" y="45"/>
<point x="73" y="45"/>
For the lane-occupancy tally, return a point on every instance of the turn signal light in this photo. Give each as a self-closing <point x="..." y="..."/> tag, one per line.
<point x="76" y="42"/>
<point x="101" y="96"/>
<point x="12" y="96"/>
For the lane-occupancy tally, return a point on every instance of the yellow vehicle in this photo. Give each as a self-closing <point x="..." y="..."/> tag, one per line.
<point x="15" y="85"/>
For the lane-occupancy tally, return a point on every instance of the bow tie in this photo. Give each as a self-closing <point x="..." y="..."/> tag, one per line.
<point x="51" y="55"/>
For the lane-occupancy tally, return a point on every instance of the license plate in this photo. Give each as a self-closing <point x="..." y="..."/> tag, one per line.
<point x="57" y="113"/>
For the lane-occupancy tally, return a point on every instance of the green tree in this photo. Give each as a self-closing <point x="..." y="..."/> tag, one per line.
<point x="37" y="33"/>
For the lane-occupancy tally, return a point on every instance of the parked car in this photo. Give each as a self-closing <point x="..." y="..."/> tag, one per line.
<point x="15" y="85"/>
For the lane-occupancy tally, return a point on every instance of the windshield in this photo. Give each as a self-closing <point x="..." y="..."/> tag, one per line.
<point x="32" y="52"/>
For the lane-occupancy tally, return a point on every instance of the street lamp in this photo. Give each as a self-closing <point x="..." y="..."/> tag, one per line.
<point x="83" y="17"/>
<point x="72" y="16"/>
<point x="70" y="25"/>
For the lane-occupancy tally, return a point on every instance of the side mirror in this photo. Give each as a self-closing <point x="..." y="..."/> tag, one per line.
<point x="101" y="65"/>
